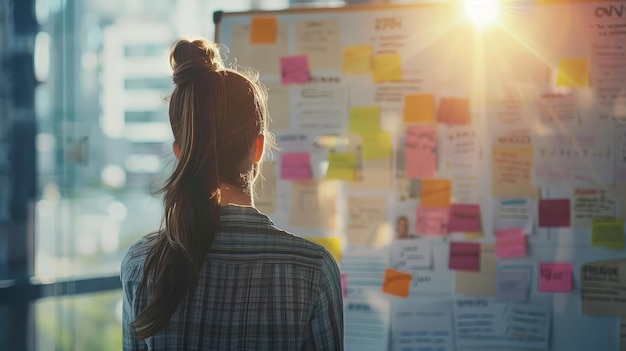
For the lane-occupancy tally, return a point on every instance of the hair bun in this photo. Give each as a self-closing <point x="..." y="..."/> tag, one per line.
<point x="191" y="58"/>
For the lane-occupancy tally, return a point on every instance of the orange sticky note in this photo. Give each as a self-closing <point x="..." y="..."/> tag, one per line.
<point x="419" y="108"/>
<point x="397" y="283"/>
<point x="387" y="67"/>
<point x="573" y="72"/>
<point x="436" y="193"/>
<point x="357" y="59"/>
<point x="263" y="30"/>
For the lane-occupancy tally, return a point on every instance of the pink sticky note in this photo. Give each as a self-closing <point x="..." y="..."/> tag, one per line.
<point x="432" y="221"/>
<point x="464" y="256"/>
<point x="453" y="111"/>
<point x="295" y="166"/>
<point x="555" y="277"/>
<point x="294" y="69"/>
<point x="554" y="213"/>
<point x="464" y="218"/>
<point x="344" y="279"/>
<point x="510" y="243"/>
<point x="419" y="149"/>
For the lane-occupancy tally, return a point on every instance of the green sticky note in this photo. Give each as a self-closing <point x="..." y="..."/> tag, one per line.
<point x="607" y="232"/>
<point x="376" y="146"/>
<point x="364" y="119"/>
<point x="341" y="166"/>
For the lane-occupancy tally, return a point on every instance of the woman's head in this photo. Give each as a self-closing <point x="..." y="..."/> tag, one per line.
<point x="218" y="115"/>
<point x="219" y="121"/>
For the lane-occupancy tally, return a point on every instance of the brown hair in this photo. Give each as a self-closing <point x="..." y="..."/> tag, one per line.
<point x="216" y="115"/>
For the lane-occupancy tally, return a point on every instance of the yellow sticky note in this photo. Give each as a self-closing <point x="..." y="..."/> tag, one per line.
<point x="419" y="108"/>
<point x="573" y="72"/>
<point x="397" y="283"/>
<point x="387" y="67"/>
<point x="473" y="236"/>
<point x="436" y="193"/>
<point x="364" y="119"/>
<point x="341" y="166"/>
<point x="331" y="244"/>
<point x="263" y="30"/>
<point x="357" y="59"/>
<point x="511" y="172"/>
<point x="376" y="146"/>
<point x="607" y="232"/>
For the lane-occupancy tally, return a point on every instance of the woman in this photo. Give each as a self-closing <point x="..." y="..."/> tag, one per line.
<point x="219" y="275"/>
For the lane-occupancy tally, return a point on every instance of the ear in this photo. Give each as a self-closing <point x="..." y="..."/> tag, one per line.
<point x="259" y="145"/>
<point x="176" y="149"/>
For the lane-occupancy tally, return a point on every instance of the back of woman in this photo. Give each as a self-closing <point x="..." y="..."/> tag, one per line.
<point x="219" y="275"/>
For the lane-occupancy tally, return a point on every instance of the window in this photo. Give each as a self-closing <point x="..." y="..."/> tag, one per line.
<point x="99" y="144"/>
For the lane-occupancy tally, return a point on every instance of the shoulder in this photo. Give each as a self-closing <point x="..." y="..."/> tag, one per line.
<point x="133" y="261"/>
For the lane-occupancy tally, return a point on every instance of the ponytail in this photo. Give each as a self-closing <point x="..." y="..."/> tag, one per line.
<point x="213" y="133"/>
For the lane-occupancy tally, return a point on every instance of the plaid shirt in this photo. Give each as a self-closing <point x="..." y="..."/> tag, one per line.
<point x="264" y="289"/>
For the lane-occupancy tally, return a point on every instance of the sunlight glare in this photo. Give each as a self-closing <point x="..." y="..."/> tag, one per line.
<point x="482" y="12"/>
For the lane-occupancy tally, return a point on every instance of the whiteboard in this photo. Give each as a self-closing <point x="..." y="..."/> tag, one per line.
<point x="444" y="54"/>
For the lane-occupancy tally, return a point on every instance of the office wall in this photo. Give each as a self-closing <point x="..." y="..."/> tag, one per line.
<point x="499" y="149"/>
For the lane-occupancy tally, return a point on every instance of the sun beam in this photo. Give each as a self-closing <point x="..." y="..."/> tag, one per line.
<point x="482" y="12"/>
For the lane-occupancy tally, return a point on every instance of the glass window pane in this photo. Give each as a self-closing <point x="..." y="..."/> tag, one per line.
<point x="83" y="322"/>
<point x="104" y="140"/>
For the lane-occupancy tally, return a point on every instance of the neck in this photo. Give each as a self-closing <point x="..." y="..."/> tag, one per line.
<point x="234" y="195"/>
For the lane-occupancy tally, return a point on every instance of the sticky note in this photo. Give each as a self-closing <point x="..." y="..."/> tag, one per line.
<point x="473" y="236"/>
<point x="397" y="283"/>
<point x="331" y="244"/>
<point x="341" y="166"/>
<point x="344" y="283"/>
<point x="387" y="67"/>
<point x="419" y="152"/>
<point x="573" y="72"/>
<point x="555" y="277"/>
<point x="419" y="108"/>
<point x="511" y="172"/>
<point x="464" y="256"/>
<point x="357" y="59"/>
<point x="295" y="166"/>
<point x="364" y="119"/>
<point x="453" y="111"/>
<point x="436" y="193"/>
<point x="376" y="146"/>
<point x="431" y="221"/>
<point x="482" y="282"/>
<point x="263" y="30"/>
<point x="607" y="232"/>
<point x="590" y="203"/>
<point x="510" y="243"/>
<point x="294" y="69"/>
<point x="512" y="286"/>
<point x="554" y="213"/>
<point x="464" y="218"/>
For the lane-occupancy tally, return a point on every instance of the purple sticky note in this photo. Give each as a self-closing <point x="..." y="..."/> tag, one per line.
<point x="554" y="213"/>
<point x="510" y="243"/>
<point x="464" y="218"/>
<point x="431" y="221"/>
<point x="295" y="166"/>
<point x="464" y="256"/>
<point x="555" y="277"/>
<point x="294" y="69"/>
<point x="512" y="286"/>
<point x="453" y="111"/>
<point x="344" y="279"/>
